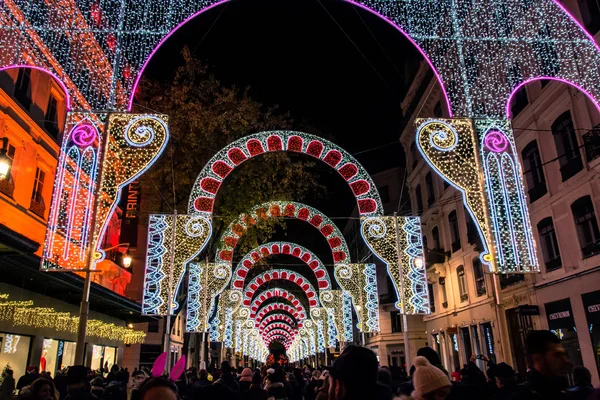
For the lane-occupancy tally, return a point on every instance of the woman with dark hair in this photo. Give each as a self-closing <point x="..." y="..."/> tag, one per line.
<point x="41" y="389"/>
<point x="255" y="392"/>
<point x="157" y="389"/>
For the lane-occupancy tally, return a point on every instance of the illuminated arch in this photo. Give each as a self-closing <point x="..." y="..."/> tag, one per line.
<point x="277" y="318"/>
<point x="279" y="331"/>
<point x="275" y="314"/>
<point x="67" y="90"/>
<point x="211" y="177"/>
<point x="277" y="293"/>
<point x="277" y="325"/>
<point x="289" y="209"/>
<point x="281" y="274"/>
<point x="266" y="309"/>
<point x="276" y="248"/>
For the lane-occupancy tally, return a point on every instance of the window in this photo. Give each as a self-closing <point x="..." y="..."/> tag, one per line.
<point x="425" y="246"/>
<point x="519" y="101"/>
<point x="435" y="234"/>
<point x="384" y="192"/>
<point x="437" y="110"/>
<point x="479" y="277"/>
<point x="442" y="283"/>
<point x="414" y="155"/>
<point x="430" y="192"/>
<point x="534" y="174"/>
<point x="396" y="319"/>
<point x="472" y="233"/>
<point x="7" y="185"/>
<point x="590" y="15"/>
<point x="22" y="87"/>
<point x="549" y="243"/>
<point x="462" y="283"/>
<point x="587" y="226"/>
<point x="419" y="199"/>
<point x="454" y="231"/>
<point x="51" y="118"/>
<point x="38" y="186"/>
<point x="565" y="139"/>
<point x="431" y="297"/>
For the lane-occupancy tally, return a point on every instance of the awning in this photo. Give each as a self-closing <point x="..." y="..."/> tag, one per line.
<point x="560" y="314"/>
<point x="591" y="304"/>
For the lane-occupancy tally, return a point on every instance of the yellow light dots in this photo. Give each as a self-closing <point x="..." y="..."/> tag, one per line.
<point x="206" y="281"/>
<point x="338" y="306"/>
<point x="360" y="282"/>
<point x="22" y="313"/>
<point x="191" y="234"/>
<point x="401" y="254"/>
<point x="227" y="306"/>
<point x="325" y="333"/>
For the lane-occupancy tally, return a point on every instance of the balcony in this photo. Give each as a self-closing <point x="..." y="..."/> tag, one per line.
<point x="572" y="166"/>
<point x="7" y="186"/>
<point x="537" y="191"/>
<point x="591" y="249"/>
<point x="38" y="207"/>
<point x="456" y="246"/>
<point x="553" y="264"/>
<point x="435" y="256"/>
<point x="591" y="142"/>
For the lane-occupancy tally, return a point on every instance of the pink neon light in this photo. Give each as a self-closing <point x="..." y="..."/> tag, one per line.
<point x="52" y="74"/>
<point x="84" y="135"/>
<point x="520" y="85"/>
<point x="437" y="75"/>
<point x="495" y="141"/>
<point x="590" y="37"/>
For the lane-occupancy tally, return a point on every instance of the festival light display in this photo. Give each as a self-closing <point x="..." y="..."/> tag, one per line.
<point x="281" y="248"/>
<point x="277" y="293"/>
<point x="239" y="321"/>
<point x="206" y="281"/>
<point x="221" y="328"/>
<point x="281" y="274"/>
<point x="191" y="234"/>
<point x="130" y="145"/>
<point x="280" y="317"/>
<point x="220" y="166"/>
<point x="497" y="202"/>
<point x="283" y="209"/>
<point x="403" y="254"/>
<point x="359" y="281"/>
<point x="325" y="329"/>
<point x="278" y="306"/>
<point x="338" y="306"/>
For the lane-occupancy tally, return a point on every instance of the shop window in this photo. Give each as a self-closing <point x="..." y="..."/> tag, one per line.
<point x="466" y="339"/>
<point x="591" y="306"/>
<point x="51" y="118"/>
<point x="454" y="231"/>
<point x="479" y="277"/>
<point x="430" y="192"/>
<point x="549" y="244"/>
<point x="587" y="226"/>
<point x="419" y="199"/>
<point x="431" y="297"/>
<point x="462" y="283"/>
<point x="590" y="15"/>
<point x="565" y="139"/>
<point x="56" y="354"/>
<point x="442" y="284"/>
<point x="534" y="173"/>
<point x="396" y="319"/>
<point x="488" y="339"/>
<point x="562" y="323"/>
<point x="14" y="350"/>
<point x="23" y="88"/>
<point x="38" y="206"/>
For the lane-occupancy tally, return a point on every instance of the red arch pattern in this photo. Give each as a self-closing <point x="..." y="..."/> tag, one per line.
<point x="277" y="325"/>
<point x="276" y="317"/>
<point x="273" y="293"/>
<point x="281" y="274"/>
<point x="262" y="312"/>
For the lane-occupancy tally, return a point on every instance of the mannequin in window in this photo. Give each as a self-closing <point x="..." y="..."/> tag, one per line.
<point x="43" y="361"/>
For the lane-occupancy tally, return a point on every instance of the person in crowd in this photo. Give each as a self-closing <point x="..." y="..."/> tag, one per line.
<point x="407" y="387"/>
<point x="31" y="374"/>
<point x="354" y="375"/>
<point x="40" y="389"/>
<point x="115" y="390"/>
<point x="313" y="385"/>
<point x="275" y="386"/>
<point x="433" y="357"/>
<point x="227" y="378"/>
<point x="506" y="382"/>
<point x="300" y="383"/>
<point x="429" y="381"/>
<point x="384" y="384"/>
<point x="202" y="380"/>
<point x="456" y="375"/>
<point x="60" y="382"/>
<point x="323" y="391"/>
<point x="255" y="392"/>
<point x="582" y="388"/>
<point x="245" y="379"/>
<point x="157" y="389"/>
<point x="97" y="387"/>
<point x="78" y="384"/>
<point x="548" y="361"/>
<point x="8" y="385"/>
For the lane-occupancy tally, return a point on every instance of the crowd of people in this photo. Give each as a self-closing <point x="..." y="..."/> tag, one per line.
<point x="355" y="375"/>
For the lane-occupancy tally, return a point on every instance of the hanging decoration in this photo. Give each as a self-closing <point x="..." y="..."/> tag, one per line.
<point x="325" y="329"/>
<point x="281" y="274"/>
<point x="338" y="305"/>
<point x="221" y="328"/>
<point x="206" y="281"/>
<point x="359" y="281"/>
<point x="280" y="293"/>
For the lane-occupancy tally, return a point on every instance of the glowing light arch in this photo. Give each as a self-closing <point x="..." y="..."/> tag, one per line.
<point x="276" y="293"/>
<point x="279" y="331"/>
<point x="289" y="209"/>
<point x="285" y="275"/>
<point x="277" y="248"/>
<point x="277" y="325"/>
<point x="267" y="308"/>
<point x="276" y="317"/>
<point x="211" y="177"/>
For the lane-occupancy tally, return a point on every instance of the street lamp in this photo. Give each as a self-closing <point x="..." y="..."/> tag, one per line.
<point x="4" y="160"/>
<point x="127" y="259"/>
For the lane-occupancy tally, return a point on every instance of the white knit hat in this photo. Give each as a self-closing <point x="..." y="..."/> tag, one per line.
<point x="428" y="378"/>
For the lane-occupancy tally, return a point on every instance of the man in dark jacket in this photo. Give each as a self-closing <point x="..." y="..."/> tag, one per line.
<point x="78" y="384"/>
<point x="506" y="382"/>
<point x="353" y="375"/>
<point x="548" y="360"/>
<point x="227" y="378"/>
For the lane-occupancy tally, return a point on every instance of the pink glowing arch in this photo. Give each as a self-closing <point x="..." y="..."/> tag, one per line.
<point x="550" y="78"/>
<point x="62" y="85"/>
<point x="282" y="307"/>
<point x="276" y="317"/>
<point x="276" y="293"/>
<point x="285" y="248"/>
<point x="284" y="275"/>
<point x="393" y="24"/>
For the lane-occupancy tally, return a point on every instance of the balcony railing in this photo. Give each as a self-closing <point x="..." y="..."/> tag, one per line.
<point x="38" y="207"/>
<point x="591" y="141"/>
<point x="436" y="256"/>
<point x="7" y="186"/>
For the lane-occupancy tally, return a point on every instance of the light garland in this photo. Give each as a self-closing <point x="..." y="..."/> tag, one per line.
<point x="403" y="255"/>
<point x="338" y="306"/>
<point x="281" y="274"/>
<point x="191" y="234"/>
<point x="276" y="317"/>
<point x="359" y="281"/>
<point x="222" y="325"/>
<point x="281" y="209"/>
<point x="206" y="281"/>
<point x="267" y="294"/>
<point x="277" y="248"/>
<point x="326" y="329"/>
<point x="22" y="313"/>
<point x="265" y="309"/>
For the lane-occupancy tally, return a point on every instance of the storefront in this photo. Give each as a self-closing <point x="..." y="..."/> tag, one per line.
<point x="103" y="357"/>
<point x="562" y="323"/>
<point x="591" y="305"/>
<point x="14" y="351"/>
<point x="56" y="355"/>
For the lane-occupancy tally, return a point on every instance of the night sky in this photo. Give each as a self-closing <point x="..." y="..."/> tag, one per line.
<point x="348" y="84"/>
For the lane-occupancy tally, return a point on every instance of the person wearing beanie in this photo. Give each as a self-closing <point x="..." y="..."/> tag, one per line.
<point x="245" y="379"/>
<point x="430" y="382"/>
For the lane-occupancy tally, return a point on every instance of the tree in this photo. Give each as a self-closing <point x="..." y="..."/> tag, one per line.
<point x="205" y="116"/>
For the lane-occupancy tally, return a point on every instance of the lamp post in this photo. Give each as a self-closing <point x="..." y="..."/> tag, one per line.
<point x="4" y="160"/>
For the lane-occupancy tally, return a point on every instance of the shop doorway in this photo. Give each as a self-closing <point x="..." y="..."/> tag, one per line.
<point x="467" y="348"/>
<point x="454" y="351"/>
<point x="518" y="327"/>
